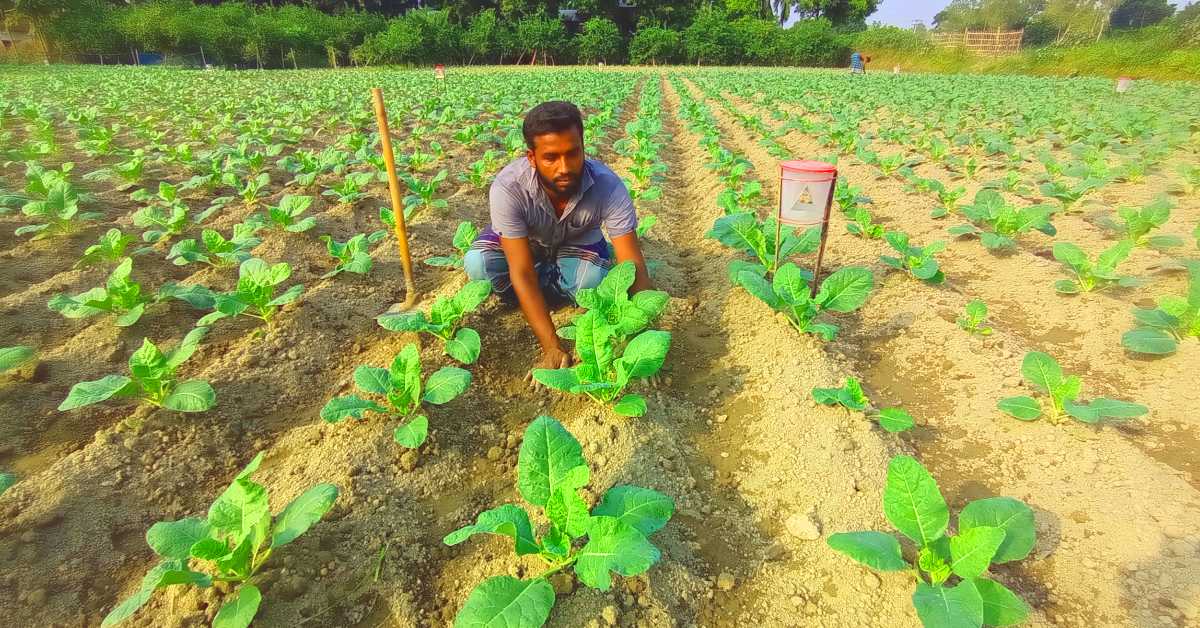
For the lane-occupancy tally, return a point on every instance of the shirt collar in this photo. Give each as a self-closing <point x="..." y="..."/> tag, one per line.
<point x="585" y="183"/>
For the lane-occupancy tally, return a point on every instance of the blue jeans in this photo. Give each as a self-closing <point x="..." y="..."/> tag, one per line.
<point x="560" y="274"/>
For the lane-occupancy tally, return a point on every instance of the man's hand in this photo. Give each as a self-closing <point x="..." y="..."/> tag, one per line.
<point x="552" y="358"/>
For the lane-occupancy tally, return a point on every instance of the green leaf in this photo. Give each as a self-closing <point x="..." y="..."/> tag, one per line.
<point x="87" y="393"/>
<point x="1116" y="409"/>
<point x="877" y="550"/>
<point x="846" y="289"/>
<point x="644" y="509"/>
<point x="756" y="285"/>
<point x="340" y="408"/>
<point x="413" y="433"/>
<point x="373" y="379"/>
<point x="630" y="405"/>
<point x="949" y="607"/>
<point x="1042" y="371"/>
<point x="240" y="611"/>
<point x="1001" y="607"/>
<point x="156" y="578"/>
<point x="1149" y="341"/>
<point x="558" y="379"/>
<point x="972" y="550"/>
<point x="445" y="384"/>
<point x="895" y="420"/>
<point x="912" y="501"/>
<point x="548" y="459"/>
<point x="174" y="539"/>
<point x="194" y="395"/>
<point x="1008" y="514"/>
<point x="241" y="509"/>
<point x="507" y="520"/>
<point x="568" y="512"/>
<point x="1022" y="407"/>
<point x="613" y="546"/>
<point x="13" y="357"/>
<point x="299" y="515"/>
<point x="506" y="602"/>
<point x="465" y="346"/>
<point x="645" y="354"/>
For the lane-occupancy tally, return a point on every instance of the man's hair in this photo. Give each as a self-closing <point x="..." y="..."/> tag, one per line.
<point x="552" y="116"/>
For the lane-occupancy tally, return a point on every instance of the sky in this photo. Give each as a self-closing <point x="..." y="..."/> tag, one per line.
<point x="905" y="12"/>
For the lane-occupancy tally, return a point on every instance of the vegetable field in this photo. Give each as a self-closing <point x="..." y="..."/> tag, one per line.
<point x="986" y="414"/>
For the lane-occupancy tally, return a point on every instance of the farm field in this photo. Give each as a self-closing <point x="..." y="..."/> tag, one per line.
<point x="1003" y="170"/>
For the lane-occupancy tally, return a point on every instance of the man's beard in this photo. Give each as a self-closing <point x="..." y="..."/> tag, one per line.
<point x="552" y="185"/>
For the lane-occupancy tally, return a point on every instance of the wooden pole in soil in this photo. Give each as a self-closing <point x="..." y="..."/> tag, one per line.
<point x="385" y="141"/>
<point x="824" y="234"/>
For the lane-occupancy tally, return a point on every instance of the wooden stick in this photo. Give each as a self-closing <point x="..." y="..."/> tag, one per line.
<point x="385" y="141"/>
<point x="824" y="234"/>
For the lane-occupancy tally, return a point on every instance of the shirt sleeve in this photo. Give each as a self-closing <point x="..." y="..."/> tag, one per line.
<point x="507" y="212"/>
<point x="618" y="215"/>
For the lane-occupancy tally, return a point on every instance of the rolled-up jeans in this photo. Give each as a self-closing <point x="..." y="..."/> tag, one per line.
<point x="561" y="273"/>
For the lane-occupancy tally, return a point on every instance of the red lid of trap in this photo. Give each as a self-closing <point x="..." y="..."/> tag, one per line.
<point x="821" y="167"/>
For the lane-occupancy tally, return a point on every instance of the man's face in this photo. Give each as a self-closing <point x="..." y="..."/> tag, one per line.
<point x="558" y="160"/>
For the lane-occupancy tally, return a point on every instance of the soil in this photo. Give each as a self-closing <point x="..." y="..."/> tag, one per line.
<point x="760" y="474"/>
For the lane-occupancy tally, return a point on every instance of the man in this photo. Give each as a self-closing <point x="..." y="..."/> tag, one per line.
<point x="857" y="63"/>
<point x="544" y="243"/>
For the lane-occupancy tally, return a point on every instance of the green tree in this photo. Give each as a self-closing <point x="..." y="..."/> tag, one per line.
<point x="481" y="39"/>
<point x="710" y="39"/>
<point x="757" y="41"/>
<point x="599" y="41"/>
<point x="543" y="38"/>
<point x="653" y="45"/>
<point x="1140" y="13"/>
<point x="836" y="11"/>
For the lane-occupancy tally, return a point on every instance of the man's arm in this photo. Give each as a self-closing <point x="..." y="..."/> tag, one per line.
<point x="533" y="303"/>
<point x="628" y="250"/>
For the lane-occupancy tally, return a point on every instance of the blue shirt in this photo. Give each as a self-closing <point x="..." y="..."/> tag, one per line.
<point x="856" y="61"/>
<point x="520" y="208"/>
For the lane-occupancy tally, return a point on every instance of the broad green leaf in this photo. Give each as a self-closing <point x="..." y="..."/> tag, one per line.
<point x="340" y="408"/>
<point x="240" y="611"/>
<point x="568" y="512"/>
<point x="1149" y="341"/>
<point x="558" y="379"/>
<point x="405" y="321"/>
<point x="895" y="420"/>
<point x="959" y="606"/>
<point x="194" y="395"/>
<point x="877" y="550"/>
<point x="174" y="539"/>
<point x="630" y="405"/>
<point x="645" y="354"/>
<point x="790" y="285"/>
<point x="6" y="481"/>
<point x="1022" y="407"/>
<point x="413" y="433"/>
<point x="465" y="346"/>
<point x="972" y="550"/>
<point x="912" y="501"/>
<point x="471" y="295"/>
<point x="1080" y="411"/>
<point x="240" y="509"/>
<point x="1116" y="409"/>
<point x="548" y="459"/>
<point x="644" y="509"/>
<point x="1008" y="514"/>
<point x="613" y="546"/>
<point x="87" y="393"/>
<point x="13" y="357"/>
<point x="1001" y="607"/>
<point x="506" y="602"/>
<point x="507" y="520"/>
<point x="846" y="289"/>
<point x="445" y="384"/>
<point x="150" y="582"/>
<point x="372" y="379"/>
<point x="187" y="347"/>
<point x="617" y="282"/>
<point x="1042" y="371"/>
<point x="299" y="515"/>
<point x="756" y="285"/>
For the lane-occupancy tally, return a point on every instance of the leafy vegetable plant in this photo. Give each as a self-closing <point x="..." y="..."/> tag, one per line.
<point x="862" y="226"/>
<point x="255" y="293"/>
<point x="464" y="237"/>
<point x="1161" y="328"/>
<point x="744" y="232"/>
<point x="918" y="261"/>
<point x="421" y="193"/>
<point x="990" y="531"/>
<point x="444" y="320"/>
<point x="1045" y="374"/>
<point x="353" y="255"/>
<point x="166" y="215"/>
<point x="109" y="248"/>
<point x="973" y="318"/>
<point x="119" y="296"/>
<point x="613" y="306"/>
<point x="151" y="379"/>
<point x="1090" y="275"/>
<point x="287" y="214"/>
<point x="851" y="397"/>
<point x="788" y="292"/>
<point x="58" y="211"/>
<point x="236" y="539"/>
<point x="998" y="224"/>
<point x="550" y="471"/>
<point x="217" y="251"/>
<point x="1137" y="223"/>
<point x="400" y="386"/>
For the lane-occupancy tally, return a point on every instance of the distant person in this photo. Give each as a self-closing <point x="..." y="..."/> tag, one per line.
<point x="544" y="242"/>
<point x="858" y="63"/>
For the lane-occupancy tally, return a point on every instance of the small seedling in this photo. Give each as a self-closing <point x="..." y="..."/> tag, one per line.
<point x="59" y="209"/>
<point x="1090" y="275"/>
<point x="1161" y="328"/>
<point x="550" y="471"/>
<point x="1045" y="374"/>
<point x="119" y="296"/>
<point x="990" y="531"/>
<point x="613" y="306"/>
<point x="744" y="232"/>
<point x="400" y="385"/>
<point x="255" y="293"/>
<point x="286" y="215"/>
<point x="352" y="188"/>
<point x="445" y="316"/>
<point x="214" y="250"/>
<point x="788" y="292"/>
<point x="862" y="225"/>
<point x="464" y="237"/>
<point x="918" y="261"/>
<point x="421" y="193"/>
<point x="1137" y="223"/>
<point x="109" y="248"/>
<point x="998" y="224"/>
<point x="152" y="379"/>
<point x="973" y="318"/>
<point x="236" y="538"/>
<point x="353" y="255"/>
<point x="166" y="215"/>
<point x="851" y="397"/>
